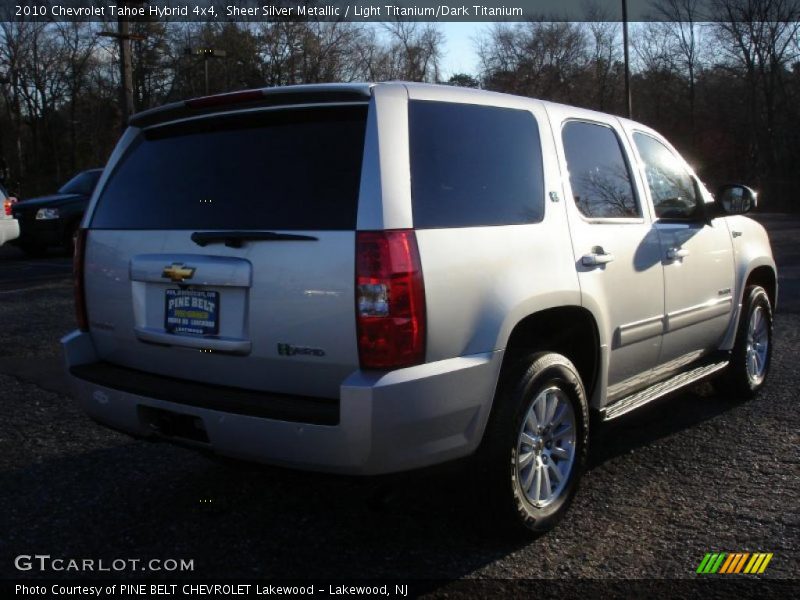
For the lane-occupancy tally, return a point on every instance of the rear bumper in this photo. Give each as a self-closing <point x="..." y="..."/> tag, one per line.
<point x="387" y="422"/>
<point x="9" y="230"/>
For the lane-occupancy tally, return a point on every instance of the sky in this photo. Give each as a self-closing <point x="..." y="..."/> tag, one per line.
<point x="460" y="54"/>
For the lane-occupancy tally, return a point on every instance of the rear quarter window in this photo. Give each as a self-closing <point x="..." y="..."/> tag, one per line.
<point x="474" y="165"/>
<point x="296" y="169"/>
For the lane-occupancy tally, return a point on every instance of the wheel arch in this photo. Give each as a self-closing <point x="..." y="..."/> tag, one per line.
<point x="562" y="329"/>
<point x="766" y="277"/>
<point x="761" y="272"/>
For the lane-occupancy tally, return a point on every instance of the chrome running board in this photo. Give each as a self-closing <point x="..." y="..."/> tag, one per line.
<point x="660" y="389"/>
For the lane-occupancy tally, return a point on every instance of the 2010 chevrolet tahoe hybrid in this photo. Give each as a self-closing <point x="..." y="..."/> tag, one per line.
<point x="368" y="279"/>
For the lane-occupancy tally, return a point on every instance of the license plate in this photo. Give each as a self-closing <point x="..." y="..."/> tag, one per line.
<point x="193" y="312"/>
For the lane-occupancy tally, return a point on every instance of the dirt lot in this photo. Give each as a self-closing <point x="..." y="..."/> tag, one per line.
<point x="695" y="473"/>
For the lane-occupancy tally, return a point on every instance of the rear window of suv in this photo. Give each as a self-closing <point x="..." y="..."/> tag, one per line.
<point x="296" y="169"/>
<point x="474" y="165"/>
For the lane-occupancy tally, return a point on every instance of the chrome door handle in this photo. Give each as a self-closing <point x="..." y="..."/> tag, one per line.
<point x="676" y="253"/>
<point x="597" y="257"/>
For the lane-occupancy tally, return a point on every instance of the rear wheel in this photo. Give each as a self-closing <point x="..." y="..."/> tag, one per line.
<point x="752" y="351"/>
<point x="536" y="444"/>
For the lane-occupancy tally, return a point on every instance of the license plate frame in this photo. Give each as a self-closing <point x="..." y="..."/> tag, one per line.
<point x="197" y="315"/>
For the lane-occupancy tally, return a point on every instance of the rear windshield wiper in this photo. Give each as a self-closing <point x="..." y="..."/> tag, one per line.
<point x="234" y="239"/>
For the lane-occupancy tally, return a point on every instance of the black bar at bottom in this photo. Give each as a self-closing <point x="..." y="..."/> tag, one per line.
<point x="282" y="407"/>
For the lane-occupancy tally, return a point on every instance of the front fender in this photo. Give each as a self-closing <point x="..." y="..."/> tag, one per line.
<point x="751" y="250"/>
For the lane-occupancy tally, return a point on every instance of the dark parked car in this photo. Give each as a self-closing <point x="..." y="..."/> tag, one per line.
<point x="53" y="220"/>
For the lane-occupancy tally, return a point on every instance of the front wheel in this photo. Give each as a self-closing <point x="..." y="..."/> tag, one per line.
<point x="752" y="351"/>
<point x="536" y="444"/>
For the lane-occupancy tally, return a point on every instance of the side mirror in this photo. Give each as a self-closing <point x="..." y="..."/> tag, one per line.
<point x="736" y="199"/>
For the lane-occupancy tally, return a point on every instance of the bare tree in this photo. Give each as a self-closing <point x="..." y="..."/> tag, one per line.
<point x="605" y="56"/>
<point x="761" y="38"/>
<point x="413" y="51"/>
<point x="78" y="42"/>
<point x="534" y="59"/>
<point x="682" y="24"/>
<point x="13" y="44"/>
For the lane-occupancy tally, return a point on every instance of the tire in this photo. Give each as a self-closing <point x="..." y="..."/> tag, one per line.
<point x="516" y="469"/>
<point x="752" y="350"/>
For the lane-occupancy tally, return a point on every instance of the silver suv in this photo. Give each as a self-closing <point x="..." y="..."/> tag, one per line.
<point x="368" y="279"/>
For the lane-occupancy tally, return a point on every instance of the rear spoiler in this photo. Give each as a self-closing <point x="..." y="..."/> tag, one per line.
<point x="280" y="96"/>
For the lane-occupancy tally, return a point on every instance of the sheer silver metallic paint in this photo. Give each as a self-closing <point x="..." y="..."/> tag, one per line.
<point x="481" y="281"/>
<point x="697" y="258"/>
<point x="389" y="422"/>
<point x="612" y="291"/>
<point x="311" y="305"/>
<point x="751" y="250"/>
<point x="385" y="195"/>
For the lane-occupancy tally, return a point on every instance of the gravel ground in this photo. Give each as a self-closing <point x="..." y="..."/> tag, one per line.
<point x="688" y="475"/>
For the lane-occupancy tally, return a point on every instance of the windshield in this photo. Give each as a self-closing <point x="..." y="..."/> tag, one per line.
<point x="82" y="183"/>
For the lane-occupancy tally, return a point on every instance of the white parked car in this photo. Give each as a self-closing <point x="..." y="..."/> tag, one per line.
<point x="9" y="226"/>
<point x="375" y="278"/>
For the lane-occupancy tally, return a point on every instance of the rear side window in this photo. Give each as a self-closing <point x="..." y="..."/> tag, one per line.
<point x="288" y="169"/>
<point x="474" y="165"/>
<point x="598" y="172"/>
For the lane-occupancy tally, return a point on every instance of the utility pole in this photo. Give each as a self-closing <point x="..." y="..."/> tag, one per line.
<point x="125" y="68"/>
<point x="629" y="110"/>
<point x="124" y="36"/>
<point x="3" y="168"/>
<point x="206" y="54"/>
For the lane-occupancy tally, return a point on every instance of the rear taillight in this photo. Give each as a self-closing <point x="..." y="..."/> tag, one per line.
<point x="7" y="204"/>
<point x="390" y="300"/>
<point x="77" y="273"/>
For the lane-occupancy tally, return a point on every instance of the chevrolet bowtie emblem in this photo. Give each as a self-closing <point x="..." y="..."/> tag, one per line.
<point x="177" y="272"/>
